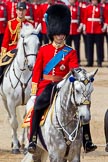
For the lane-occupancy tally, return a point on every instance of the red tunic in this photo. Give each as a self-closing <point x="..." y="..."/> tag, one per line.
<point x="11" y="9"/>
<point x="105" y="11"/>
<point x="12" y="33"/>
<point x="92" y="19"/>
<point x="36" y="14"/>
<point x="29" y="11"/>
<point x="43" y="9"/>
<point x="45" y="54"/>
<point x="3" y="18"/>
<point x="74" y="9"/>
<point x="82" y="6"/>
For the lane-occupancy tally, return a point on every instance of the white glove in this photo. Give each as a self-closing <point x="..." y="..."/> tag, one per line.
<point x="32" y="98"/>
<point x="30" y="103"/>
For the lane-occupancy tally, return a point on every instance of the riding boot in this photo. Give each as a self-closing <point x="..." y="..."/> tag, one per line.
<point x="1" y="73"/>
<point x="106" y="130"/>
<point x="36" y="117"/>
<point x="87" y="141"/>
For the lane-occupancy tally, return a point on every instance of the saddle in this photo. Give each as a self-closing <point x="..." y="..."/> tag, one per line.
<point x="26" y="122"/>
<point x="8" y="57"/>
<point x="5" y="61"/>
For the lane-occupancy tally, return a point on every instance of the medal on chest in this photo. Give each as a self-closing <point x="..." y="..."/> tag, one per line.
<point x="62" y="67"/>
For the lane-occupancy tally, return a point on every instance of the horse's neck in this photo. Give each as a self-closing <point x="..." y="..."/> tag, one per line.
<point x="20" y="58"/>
<point x="64" y="117"/>
<point x="63" y="106"/>
<point x="17" y="67"/>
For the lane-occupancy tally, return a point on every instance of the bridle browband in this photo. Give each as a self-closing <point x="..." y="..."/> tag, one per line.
<point x="25" y="54"/>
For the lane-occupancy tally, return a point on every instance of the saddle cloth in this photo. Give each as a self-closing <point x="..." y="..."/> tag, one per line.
<point x="26" y="122"/>
<point x="7" y="58"/>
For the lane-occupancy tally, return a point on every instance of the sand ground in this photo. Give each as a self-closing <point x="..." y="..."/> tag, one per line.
<point x="98" y="109"/>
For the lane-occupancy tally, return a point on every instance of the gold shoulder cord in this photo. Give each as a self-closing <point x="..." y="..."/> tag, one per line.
<point x="16" y="32"/>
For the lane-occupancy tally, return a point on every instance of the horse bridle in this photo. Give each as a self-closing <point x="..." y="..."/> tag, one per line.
<point x="85" y="102"/>
<point x="23" y="85"/>
<point x="25" y="54"/>
<point x="75" y="132"/>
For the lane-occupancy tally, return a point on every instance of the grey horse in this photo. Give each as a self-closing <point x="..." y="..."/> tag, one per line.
<point x="62" y="131"/>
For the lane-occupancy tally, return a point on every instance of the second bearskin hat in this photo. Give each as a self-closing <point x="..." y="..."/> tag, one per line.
<point x="58" y="19"/>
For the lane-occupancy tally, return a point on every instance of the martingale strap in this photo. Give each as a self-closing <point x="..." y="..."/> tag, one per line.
<point x="56" y="59"/>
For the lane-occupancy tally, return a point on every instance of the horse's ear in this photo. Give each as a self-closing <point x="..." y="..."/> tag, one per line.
<point x="92" y="74"/>
<point x="38" y="28"/>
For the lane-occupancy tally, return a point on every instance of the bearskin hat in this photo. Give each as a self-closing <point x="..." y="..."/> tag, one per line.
<point x="58" y="19"/>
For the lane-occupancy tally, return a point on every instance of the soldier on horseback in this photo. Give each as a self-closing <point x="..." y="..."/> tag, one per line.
<point x="11" y="37"/>
<point x="53" y="62"/>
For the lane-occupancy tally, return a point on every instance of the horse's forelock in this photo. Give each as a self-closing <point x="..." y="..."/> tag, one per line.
<point x="27" y="30"/>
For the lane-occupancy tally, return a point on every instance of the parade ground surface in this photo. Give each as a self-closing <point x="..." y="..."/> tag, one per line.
<point x="98" y="108"/>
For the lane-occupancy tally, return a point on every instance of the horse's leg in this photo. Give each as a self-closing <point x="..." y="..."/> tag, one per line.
<point x="106" y="129"/>
<point x="25" y="140"/>
<point x="24" y="135"/>
<point x="6" y="107"/>
<point x="14" y="125"/>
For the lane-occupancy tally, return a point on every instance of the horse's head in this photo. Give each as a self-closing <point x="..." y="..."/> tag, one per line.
<point x="78" y="88"/>
<point x="82" y="89"/>
<point x="28" y="44"/>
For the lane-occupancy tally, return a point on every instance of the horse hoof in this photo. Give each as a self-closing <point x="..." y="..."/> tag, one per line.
<point x="15" y="151"/>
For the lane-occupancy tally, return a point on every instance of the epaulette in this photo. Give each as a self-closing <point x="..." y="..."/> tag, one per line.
<point x="68" y="46"/>
<point x="16" y="30"/>
<point x="11" y="20"/>
<point x="45" y="45"/>
<point x="31" y="21"/>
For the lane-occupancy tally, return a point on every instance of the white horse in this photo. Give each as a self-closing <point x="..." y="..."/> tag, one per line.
<point x="62" y="131"/>
<point x="16" y="85"/>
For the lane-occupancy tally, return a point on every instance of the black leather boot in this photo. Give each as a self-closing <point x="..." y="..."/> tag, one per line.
<point x="1" y="73"/>
<point x="106" y="129"/>
<point x="87" y="141"/>
<point x="35" y="127"/>
<point x="42" y="102"/>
